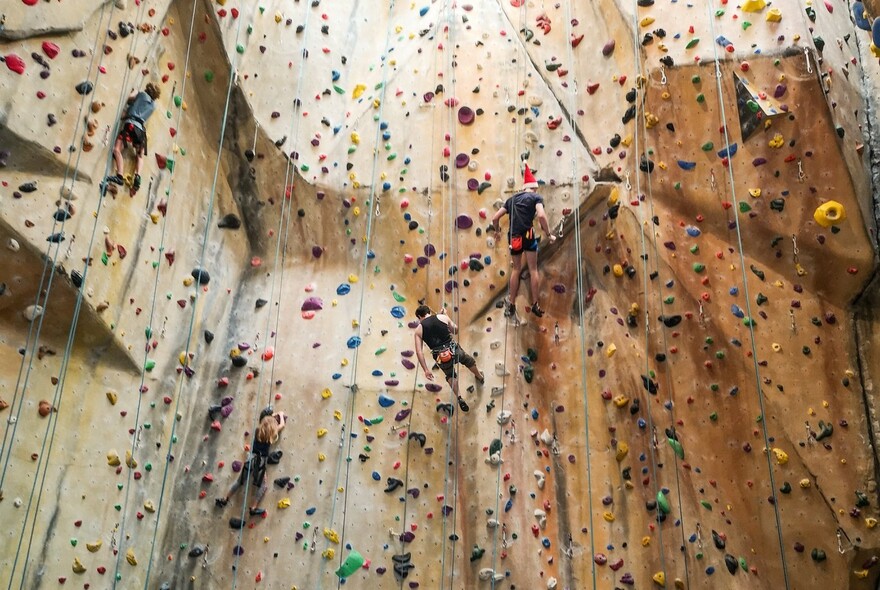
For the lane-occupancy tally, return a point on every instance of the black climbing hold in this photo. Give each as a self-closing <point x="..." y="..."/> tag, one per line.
<point x="626" y="473"/>
<point x="28" y="187"/>
<point x="731" y="563"/>
<point x="76" y="278"/>
<point x="282" y="482"/>
<point x="615" y="141"/>
<point x="201" y="276"/>
<point x="718" y="540"/>
<point x="236" y="523"/>
<point x="61" y="215"/>
<point x="229" y="221"/>
<point x="249" y="154"/>
<point x="861" y="499"/>
<point x="758" y="272"/>
<point x="786" y="488"/>
<point x="413" y="224"/>
<point x="393" y="484"/>
<point x="667" y="61"/>
<point x="629" y="115"/>
<point x="275" y="457"/>
<point x="495" y="446"/>
<point x="818" y="555"/>
<point x="631" y="95"/>
<point x="239" y="361"/>
<point x="613" y="211"/>
<point x="777" y="204"/>
<point x="84" y="87"/>
<point x="532" y="354"/>
<point x="649" y="384"/>
<point x="260" y="303"/>
<point x="197" y="551"/>
<point x="300" y="212"/>
<point x="475" y="264"/>
<point x="209" y="336"/>
<point x="645" y="3"/>
<point x="670" y="321"/>
<point x="820" y="43"/>
<point x="670" y="127"/>
<point x="56" y="238"/>
<point x="646" y="165"/>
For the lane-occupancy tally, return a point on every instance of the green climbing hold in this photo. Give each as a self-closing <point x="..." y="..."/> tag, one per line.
<point x="149" y="365"/>
<point x="753" y="106"/>
<point x="695" y="80"/>
<point x="692" y="43"/>
<point x="495" y="446"/>
<point x="786" y="488"/>
<point x="169" y="163"/>
<point x="352" y="563"/>
<point x="744" y="207"/>
<point x="676" y="447"/>
<point x="748" y="322"/>
<point x="746" y="25"/>
<point x="398" y="297"/>
<point x="706" y="504"/>
<point x="713" y="416"/>
<point x="701" y="98"/>
<point x="239" y="48"/>
<point x="699" y="267"/>
<point x="714" y="387"/>
<point x="178" y="100"/>
<point x="338" y="89"/>
<point x="148" y="332"/>
<point x="477" y="552"/>
<point x="709" y="340"/>
<point x="532" y="354"/>
<point x="694" y="249"/>
<point x="529" y="374"/>
<point x="719" y="354"/>
<point x="209" y="76"/>
<point x="380" y="350"/>
<point x="104" y="258"/>
<point x="708" y="146"/>
<point x="662" y="502"/>
<point x="669" y="300"/>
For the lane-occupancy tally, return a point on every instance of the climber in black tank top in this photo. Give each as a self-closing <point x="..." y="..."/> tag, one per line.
<point x="436" y="331"/>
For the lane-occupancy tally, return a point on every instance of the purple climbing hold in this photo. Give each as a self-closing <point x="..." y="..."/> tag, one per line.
<point x="759" y="162"/>
<point x="312" y="304"/>
<point x="423" y="261"/>
<point x="465" y="115"/>
<point x="608" y="48"/>
<point x="408" y="364"/>
<point x="559" y="288"/>
<point x="225" y="411"/>
<point x="408" y="536"/>
<point x="780" y="91"/>
<point x="473" y="184"/>
<point x="462" y="160"/>
<point x="433" y="387"/>
<point x="317" y="251"/>
<point x="402" y="415"/>
<point x="238" y="550"/>
<point x="429" y="96"/>
<point x="236" y="466"/>
<point x="464" y="222"/>
<point x="430" y="250"/>
<point x="392" y="382"/>
<point x="450" y="286"/>
<point x="407" y="353"/>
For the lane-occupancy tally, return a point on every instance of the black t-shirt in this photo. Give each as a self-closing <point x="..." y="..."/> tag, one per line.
<point x="521" y="208"/>
<point x="435" y="332"/>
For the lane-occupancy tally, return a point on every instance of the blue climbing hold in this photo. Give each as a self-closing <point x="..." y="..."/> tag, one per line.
<point x="723" y="41"/>
<point x="693" y="231"/>
<point x="353" y="342"/>
<point x="424" y="10"/>
<point x="398" y="311"/>
<point x="729" y="151"/>
<point x="534" y="414"/>
<point x="336" y="376"/>
<point x="343" y="289"/>
<point x="377" y="373"/>
<point x="385" y="401"/>
<point x="386" y="186"/>
<point x="684" y="165"/>
<point x="370" y="254"/>
<point x="508" y="505"/>
<point x="487" y="260"/>
<point x="735" y="310"/>
<point x="858" y="10"/>
<point x="545" y="542"/>
<point x="376" y="476"/>
<point x="710" y="570"/>
<point x="311" y="511"/>
<point x="334" y="75"/>
<point x="642" y="423"/>
<point x="734" y="291"/>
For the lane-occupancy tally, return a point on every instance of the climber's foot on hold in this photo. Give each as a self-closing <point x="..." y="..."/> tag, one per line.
<point x="536" y="309"/>
<point x="256" y="511"/>
<point x="463" y="404"/>
<point x="220" y="502"/>
<point x="509" y="309"/>
<point x="116" y="179"/>
<point x="137" y="183"/>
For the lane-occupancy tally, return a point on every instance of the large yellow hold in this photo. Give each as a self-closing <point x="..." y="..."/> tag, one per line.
<point x="830" y="213"/>
<point x="753" y="5"/>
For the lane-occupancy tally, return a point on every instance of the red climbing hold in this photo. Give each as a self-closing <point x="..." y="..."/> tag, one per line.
<point x="30" y="2"/>
<point x="15" y="63"/>
<point x="50" y="49"/>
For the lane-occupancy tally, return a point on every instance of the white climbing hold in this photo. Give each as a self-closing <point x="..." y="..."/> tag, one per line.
<point x="32" y="312"/>
<point x="492" y="523"/>
<point x="541" y="517"/>
<point x="539" y="475"/>
<point x="504" y="416"/>
<point x="500" y="370"/>
<point x="13" y="245"/>
<point x="495" y="459"/>
<point x="17" y="502"/>
<point x="546" y="437"/>
<point x="552" y="583"/>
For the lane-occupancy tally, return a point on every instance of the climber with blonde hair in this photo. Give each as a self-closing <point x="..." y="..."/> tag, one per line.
<point x="268" y="431"/>
<point x="133" y="131"/>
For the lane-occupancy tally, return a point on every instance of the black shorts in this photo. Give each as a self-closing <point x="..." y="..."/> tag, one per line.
<point x="527" y="243"/>
<point x="134" y="135"/>
<point x="458" y="356"/>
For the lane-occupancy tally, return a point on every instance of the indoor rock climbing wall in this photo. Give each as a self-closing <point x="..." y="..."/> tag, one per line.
<point x="695" y="410"/>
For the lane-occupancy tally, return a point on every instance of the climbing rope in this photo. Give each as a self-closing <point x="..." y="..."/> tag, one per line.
<point x="748" y="303"/>
<point x="151" y="316"/>
<point x="194" y="307"/>
<point x="367" y="243"/>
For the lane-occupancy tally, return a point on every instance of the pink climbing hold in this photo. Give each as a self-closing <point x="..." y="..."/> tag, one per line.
<point x="15" y="63"/>
<point x="30" y="2"/>
<point x="50" y="49"/>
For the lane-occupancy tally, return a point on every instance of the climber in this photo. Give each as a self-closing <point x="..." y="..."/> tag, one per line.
<point x="271" y="424"/>
<point x="523" y="207"/>
<point x="133" y="131"/>
<point x="436" y="331"/>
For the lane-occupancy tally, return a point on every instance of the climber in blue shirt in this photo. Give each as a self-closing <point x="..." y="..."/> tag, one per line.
<point x="133" y="131"/>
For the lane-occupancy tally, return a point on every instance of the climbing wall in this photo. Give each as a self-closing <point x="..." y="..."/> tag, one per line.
<point x="695" y="410"/>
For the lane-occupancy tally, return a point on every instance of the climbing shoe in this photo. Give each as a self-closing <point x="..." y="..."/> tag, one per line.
<point x="509" y="309"/>
<point x="463" y="404"/>
<point x="116" y="179"/>
<point x="481" y="379"/>
<point x="137" y="182"/>
<point x="258" y="511"/>
<point x="220" y="502"/>
<point x="536" y="309"/>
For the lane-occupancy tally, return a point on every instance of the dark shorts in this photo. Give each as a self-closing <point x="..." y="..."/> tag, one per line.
<point x="458" y="356"/>
<point x="134" y="135"/>
<point x="254" y="469"/>
<point x="524" y="243"/>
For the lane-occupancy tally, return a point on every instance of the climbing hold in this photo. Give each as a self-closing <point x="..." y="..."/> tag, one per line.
<point x="829" y="214"/>
<point x="659" y="579"/>
<point x="353" y="562"/>
<point x="201" y="276"/>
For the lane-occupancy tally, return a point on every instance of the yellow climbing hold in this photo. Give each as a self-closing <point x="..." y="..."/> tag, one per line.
<point x="609" y="517"/>
<point x="355" y="137"/>
<point x="804" y="483"/>
<point x="358" y="90"/>
<point x="328" y="554"/>
<point x="646" y="540"/>
<point x="610" y="350"/>
<point x="621" y="401"/>
<point x="112" y="397"/>
<point x="344" y="362"/>
<point x="781" y="456"/>
<point x="776" y="347"/>
<point x="337" y="415"/>
<point x="774" y="15"/>
<point x="613" y="196"/>
<point x="93" y="547"/>
<point x="753" y="5"/>
<point x="660" y="577"/>
<point x="777" y="141"/>
<point x="130" y="461"/>
<point x="332" y="536"/>
<point x="830" y="213"/>
<point x="617" y="270"/>
<point x="861" y="574"/>
<point x="326" y="393"/>
<point x="113" y="459"/>
<point x="321" y="457"/>
<point x="622" y="451"/>
<point x="322" y="432"/>
<point x="278" y="17"/>
<point x="875" y="51"/>
<point x="181" y="358"/>
<point x="188" y="281"/>
<point x="283" y="503"/>
<point x="149" y="506"/>
<point x="755" y="192"/>
<point x="627" y="140"/>
<point x="870" y="522"/>
<point x="78" y="567"/>
<point x="130" y="557"/>
<point x="651" y="120"/>
<point x="352" y="278"/>
<point x="646" y="21"/>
